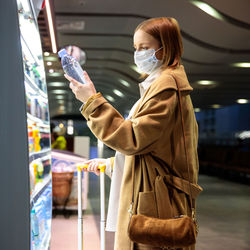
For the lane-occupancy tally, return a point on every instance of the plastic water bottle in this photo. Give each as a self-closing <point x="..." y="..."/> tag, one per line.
<point x="71" y="66"/>
<point x="34" y="228"/>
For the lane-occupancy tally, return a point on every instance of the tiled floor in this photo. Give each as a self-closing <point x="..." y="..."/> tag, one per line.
<point x="223" y="213"/>
<point x="64" y="233"/>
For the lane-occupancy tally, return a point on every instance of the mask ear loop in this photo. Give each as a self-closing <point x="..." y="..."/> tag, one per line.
<point x="156" y="51"/>
<point x="159" y="49"/>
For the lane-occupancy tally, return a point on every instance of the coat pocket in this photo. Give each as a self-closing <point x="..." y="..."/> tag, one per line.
<point x="147" y="204"/>
<point x="164" y="199"/>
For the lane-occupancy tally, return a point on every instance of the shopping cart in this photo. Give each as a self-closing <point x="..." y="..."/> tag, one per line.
<point x="80" y="168"/>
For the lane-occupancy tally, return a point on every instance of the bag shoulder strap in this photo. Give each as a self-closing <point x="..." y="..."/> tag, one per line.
<point x="185" y="148"/>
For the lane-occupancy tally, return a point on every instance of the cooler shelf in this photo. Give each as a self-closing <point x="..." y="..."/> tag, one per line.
<point x="40" y="154"/>
<point x="34" y="87"/>
<point x="40" y="187"/>
<point x="37" y="120"/>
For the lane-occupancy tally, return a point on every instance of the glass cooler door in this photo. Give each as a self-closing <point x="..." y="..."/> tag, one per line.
<point x="38" y="127"/>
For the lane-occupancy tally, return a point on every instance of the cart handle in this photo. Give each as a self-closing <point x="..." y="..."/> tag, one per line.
<point x="80" y="167"/>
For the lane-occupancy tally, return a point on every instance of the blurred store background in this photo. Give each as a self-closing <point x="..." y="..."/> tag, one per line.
<point x="216" y="39"/>
<point x="216" y="58"/>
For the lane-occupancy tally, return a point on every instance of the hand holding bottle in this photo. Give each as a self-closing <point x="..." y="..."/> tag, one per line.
<point x="82" y="91"/>
<point x="93" y="165"/>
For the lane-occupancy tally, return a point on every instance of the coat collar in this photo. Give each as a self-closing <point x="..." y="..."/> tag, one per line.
<point x="166" y="81"/>
<point x="143" y="86"/>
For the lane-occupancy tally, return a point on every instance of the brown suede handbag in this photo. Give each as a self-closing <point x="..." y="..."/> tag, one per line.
<point x="177" y="232"/>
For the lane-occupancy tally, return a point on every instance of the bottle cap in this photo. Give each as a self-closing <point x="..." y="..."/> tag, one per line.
<point x="62" y="53"/>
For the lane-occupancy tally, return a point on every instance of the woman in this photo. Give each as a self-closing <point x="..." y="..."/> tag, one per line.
<point x="151" y="140"/>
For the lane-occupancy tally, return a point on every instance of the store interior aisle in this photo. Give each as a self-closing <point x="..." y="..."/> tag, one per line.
<point x="223" y="213"/>
<point x="64" y="230"/>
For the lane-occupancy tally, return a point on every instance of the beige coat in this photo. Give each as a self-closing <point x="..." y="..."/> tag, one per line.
<point x="153" y="144"/>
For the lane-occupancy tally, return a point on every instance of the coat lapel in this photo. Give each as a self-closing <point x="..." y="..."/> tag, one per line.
<point x="166" y="81"/>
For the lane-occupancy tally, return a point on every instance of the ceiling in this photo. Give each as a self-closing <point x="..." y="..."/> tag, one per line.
<point x="104" y="30"/>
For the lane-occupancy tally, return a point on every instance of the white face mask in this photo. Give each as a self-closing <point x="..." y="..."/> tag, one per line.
<point x="146" y="60"/>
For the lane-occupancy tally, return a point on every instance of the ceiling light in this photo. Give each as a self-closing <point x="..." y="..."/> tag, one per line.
<point x="56" y="84"/>
<point x="110" y="98"/>
<point x="208" y="9"/>
<point x="62" y="108"/>
<point x="197" y="110"/>
<point x="119" y="93"/>
<point x="49" y="63"/>
<point x="216" y="106"/>
<point x="46" y="53"/>
<point x="125" y="83"/>
<point x="58" y="91"/>
<point x="51" y="71"/>
<point x="134" y="67"/>
<point x="55" y="74"/>
<point x="205" y="82"/>
<point x="51" y="58"/>
<point x="60" y="101"/>
<point x="242" y="101"/>
<point x="59" y="97"/>
<point x="61" y="125"/>
<point x="51" y="26"/>
<point x="241" y="64"/>
<point x="243" y="135"/>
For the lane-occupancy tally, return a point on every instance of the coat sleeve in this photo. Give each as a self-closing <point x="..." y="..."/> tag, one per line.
<point x="135" y="136"/>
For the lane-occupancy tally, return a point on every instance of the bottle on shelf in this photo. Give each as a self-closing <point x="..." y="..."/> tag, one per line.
<point x="36" y="136"/>
<point x="31" y="139"/>
<point x="28" y="102"/>
<point x="34" y="228"/>
<point x="35" y="167"/>
<point x="71" y="66"/>
<point x="32" y="178"/>
<point x="40" y="170"/>
<point x="37" y="77"/>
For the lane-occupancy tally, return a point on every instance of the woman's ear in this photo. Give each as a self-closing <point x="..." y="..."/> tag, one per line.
<point x="159" y="54"/>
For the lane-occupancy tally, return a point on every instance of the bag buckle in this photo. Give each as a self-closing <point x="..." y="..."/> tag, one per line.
<point x="130" y="210"/>
<point x="195" y="221"/>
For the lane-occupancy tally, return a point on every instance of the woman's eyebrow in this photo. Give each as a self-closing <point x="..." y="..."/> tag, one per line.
<point x="140" y="44"/>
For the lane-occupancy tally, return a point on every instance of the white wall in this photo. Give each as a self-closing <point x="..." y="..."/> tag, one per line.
<point x="82" y="146"/>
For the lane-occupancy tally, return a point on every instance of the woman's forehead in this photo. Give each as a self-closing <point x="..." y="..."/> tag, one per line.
<point x="141" y="37"/>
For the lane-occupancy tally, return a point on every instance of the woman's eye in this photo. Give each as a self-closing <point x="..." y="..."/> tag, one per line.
<point x="142" y="48"/>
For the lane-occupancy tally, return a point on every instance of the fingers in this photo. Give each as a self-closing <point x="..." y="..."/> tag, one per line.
<point x="72" y="80"/>
<point x="72" y="87"/>
<point x="87" y="162"/>
<point x="92" y="166"/>
<point x="82" y="91"/>
<point x="88" y="80"/>
<point x="86" y="76"/>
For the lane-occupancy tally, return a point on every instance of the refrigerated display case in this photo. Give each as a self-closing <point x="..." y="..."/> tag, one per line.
<point x="38" y="127"/>
<point x="25" y="131"/>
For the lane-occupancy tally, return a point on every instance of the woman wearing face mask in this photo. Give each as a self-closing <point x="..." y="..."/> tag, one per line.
<point x="150" y="140"/>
